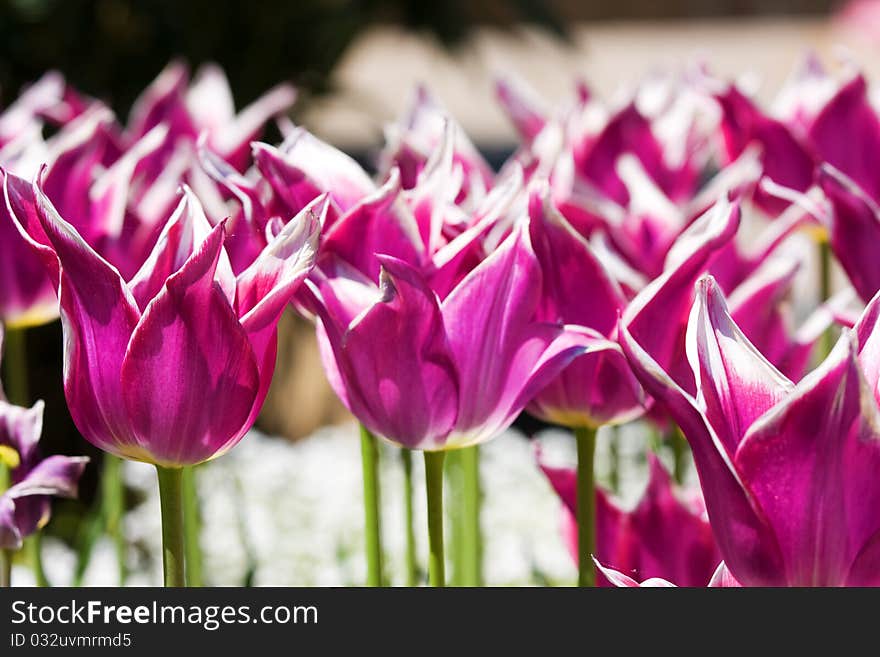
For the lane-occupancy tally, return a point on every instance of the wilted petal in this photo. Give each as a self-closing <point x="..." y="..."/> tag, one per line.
<point x="189" y="378"/>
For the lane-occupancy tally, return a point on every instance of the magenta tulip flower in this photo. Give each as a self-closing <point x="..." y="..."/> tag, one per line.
<point x="183" y="334"/>
<point x="598" y="387"/>
<point x="435" y="375"/>
<point x="666" y="535"/>
<point x="787" y="470"/>
<point x="411" y="142"/>
<point x="205" y="106"/>
<point x="27" y="480"/>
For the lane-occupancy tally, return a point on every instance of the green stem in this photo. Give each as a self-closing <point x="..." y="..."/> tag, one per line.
<point x="434" y="486"/>
<point x="171" y="498"/>
<point x="826" y="342"/>
<point x="113" y="499"/>
<point x="586" y="505"/>
<point x="455" y="515"/>
<point x="614" y="457"/>
<point x="412" y="568"/>
<point x="34" y="548"/>
<point x="372" y="508"/>
<point x="192" y="528"/>
<point x="471" y="536"/>
<point x="15" y="367"/>
<point x="679" y="453"/>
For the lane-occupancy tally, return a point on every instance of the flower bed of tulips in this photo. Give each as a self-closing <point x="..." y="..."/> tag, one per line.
<point x="630" y="269"/>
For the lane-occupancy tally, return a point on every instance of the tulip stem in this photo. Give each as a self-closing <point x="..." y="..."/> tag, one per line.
<point x="614" y="458"/>
<point x="192" y="528"/>
<point x="171" y="498"/>
<point x="5" y="568"/>
<point x="34" y="549"/>
<point x="434" y="486"/>
<point x="679" y="453"/>
<point x="113" y="499"/>
<point x="412" y="567"/>
<point x="586" y="505"/>
<point x="372" y="507"/>
<point x="826" y="341"/>
<point x="471" y="536"/>
<point x="15" y="366"/>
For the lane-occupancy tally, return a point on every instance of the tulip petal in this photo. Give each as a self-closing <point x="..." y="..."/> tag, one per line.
<point x="305" y="167"/>
<point x="381" y="223"/>
<point x="189" y="378"/>
<point x="397" y="355"/>
<point x="28" y="267"/>
<point x="723" y="579"/>
<point x="811" y="464"/>
<point x="657" y="316"/>
<point x="735" y="383"/>
<point x="98" y="316"/>
<point x="854" y="230"/>
<point x="746" y="541"/>
<point x="577" y="288"/>
<point x="847" y="120"/>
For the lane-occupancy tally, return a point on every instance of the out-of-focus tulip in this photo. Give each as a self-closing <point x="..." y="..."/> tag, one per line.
<point x="410" y="143"/>
<point x="27" y="480"/>
<point x="598" y="387"/>
<point x="787" y="470"/>
<point x="666" y="535"/>
<point x="172" y="366"/>
<point x="854" y="227"/>
<point x="438" y="375"/>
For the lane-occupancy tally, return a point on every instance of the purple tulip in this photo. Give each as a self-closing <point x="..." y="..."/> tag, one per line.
<point x="666" y="535"/>
<point x="32" y="479"/>
<point x="598" y="387"/>
<point x="172" y="366"/>
<point x="788" y="470"/>
<point x="438" y="375"/>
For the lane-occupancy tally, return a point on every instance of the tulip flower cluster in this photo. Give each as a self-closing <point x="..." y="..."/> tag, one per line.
<point x="630" y="262"/>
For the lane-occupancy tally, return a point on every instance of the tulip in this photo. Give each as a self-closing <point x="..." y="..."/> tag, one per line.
<point x="787" y="470"/>
<point x="432" y="375"/>
<point x="666" y="535"/>
<point x="27" y="480"/>
<point x="410" y="143"/>
<point x="721" y="578"/>
<point x="171" y="367"/>
<point x="596" y="388"/>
